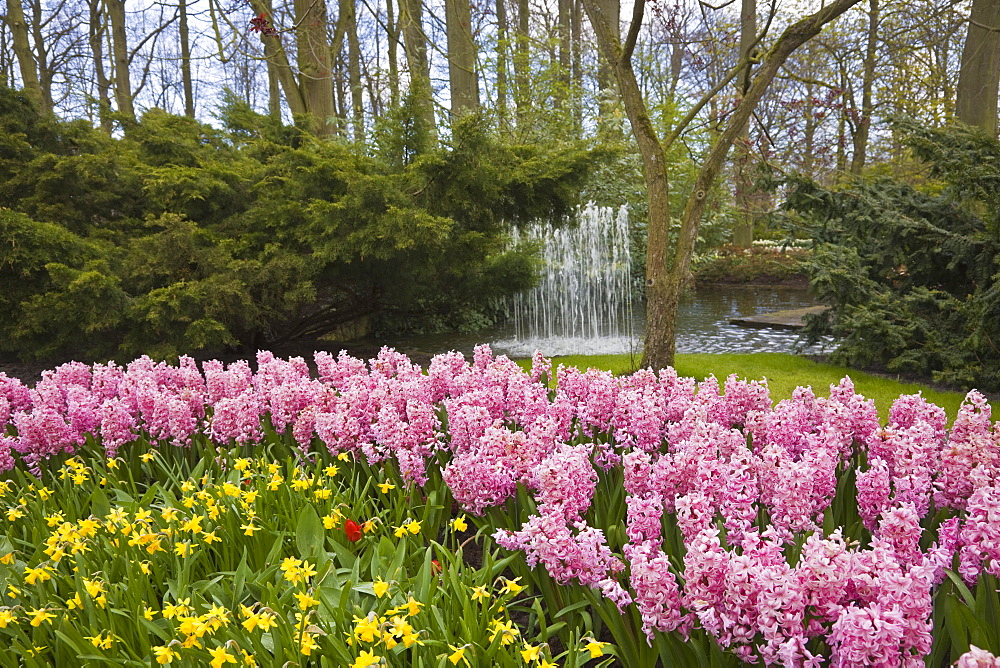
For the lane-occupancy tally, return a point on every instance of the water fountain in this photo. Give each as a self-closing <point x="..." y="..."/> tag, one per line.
<point x="583" y="301"/>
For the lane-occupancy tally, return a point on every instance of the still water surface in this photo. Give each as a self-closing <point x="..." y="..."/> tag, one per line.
<point x="703" y="327"/>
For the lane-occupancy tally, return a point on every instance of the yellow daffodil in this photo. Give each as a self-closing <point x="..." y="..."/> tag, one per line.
<point x="248" y="529"/>
<point x="7" y="559"/>
<point x="480" y="594"/>
<point x="220" y="656"/>
<point x="165" y="654"/>
<point x="147" y="456"/>
<point x="100" y="641"/>
<point x="194" y="524"/>
<point x="6" y="617"/>
<point x="331" y="470"/>
<point x="595" y="647"/>
<point x="459" y="524"/>
<point x="33" y="575"/>
<point x="380" y="587"/>
<point x="511" y="586"/>
<point x="457" y="654"/>
<point x="366" y="629"/>
<point x="531" y="653"/>
<point x="506" y="630"/>
<point x="40" y="615"/>
<point x="308" y="644"/>
<point x="385" y="487"/>
<point x="94" y="587"/>
<point x="306" y="601"/>
<point x="412" y="606"/>
<point x="169" y="514"/>
<point x="210" y="537"/>
<point x="366" y="659"/>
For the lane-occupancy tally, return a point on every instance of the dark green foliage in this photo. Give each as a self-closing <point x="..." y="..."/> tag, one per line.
<point x="183" y="238"/>
<point x="729" y="264"/>
<point x="911" y="272"/>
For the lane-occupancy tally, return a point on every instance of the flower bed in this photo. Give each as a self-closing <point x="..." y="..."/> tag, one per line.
<point x="652" y="518"/>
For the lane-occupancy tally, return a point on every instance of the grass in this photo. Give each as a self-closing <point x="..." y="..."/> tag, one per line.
<point x="784" y="372"/>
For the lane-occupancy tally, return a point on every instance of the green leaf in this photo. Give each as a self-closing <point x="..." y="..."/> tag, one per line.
<point x="100" y="507"/>
<point x="309" y="532"/>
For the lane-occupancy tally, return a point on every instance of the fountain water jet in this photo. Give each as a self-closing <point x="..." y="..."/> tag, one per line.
<point x="583" y="302"/>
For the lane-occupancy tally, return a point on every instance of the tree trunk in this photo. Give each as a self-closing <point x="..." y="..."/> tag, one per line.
<point x="860" y="154"/>
<point x="274" y="53"/>
<point x="660" y="313"/>
<point x="461" y="57"/>
<point x="576" y="35"/>
<point x="315" y="73"/>
<point x="354" y="69"/>
<point x="979" y="74"/>
<point x="415" y="45"/>
<point x="663" y="286"/>
<point x="119" y="47"/>
<point x="565" y="8"/>
<point x="522" y="63"/>
<point x="501" y="8"/>
<point x="745" y="209"/>
<point x="22" y="50"/>
<point x="186" y="78"/>
<point x="45" y="72"/>
<point x="95" y="36"/>
<point x="392" y="46"/>
<point x="606" y="72"/>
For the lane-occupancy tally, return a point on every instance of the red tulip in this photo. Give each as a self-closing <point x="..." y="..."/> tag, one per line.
<point x="435" y="566"/>
<point x="353" y="531"/>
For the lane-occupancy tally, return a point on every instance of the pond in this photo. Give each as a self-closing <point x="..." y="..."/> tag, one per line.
<point x="703" y="327"/>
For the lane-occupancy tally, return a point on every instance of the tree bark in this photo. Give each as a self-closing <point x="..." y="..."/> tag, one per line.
<point x="979" y="74"/>
<point x="576" y="35"/>
<point x="660" y="313"/>
<point x="663" y="284"/>
<point x="186" y="79"/>
<point x="392" y="46"/>
<point x="565" y="8"/>
<point x="22" y="51"/>
<point x="461" y="57"/>
<point x="95" y="36"/>
<point x="45" y="73"/>
<point x="119" y="47"/>
<point x="522" y="63"/>
<point x="744" y="200"/>
<point x="315" y="73"/>
<point x="606" y="70"/>
<point x="354" y="69"/>
<point x="276" y="56"/>
<point x="415" y="46"/>
<point x="860" y="140"/>
<point x="501" y="9"/>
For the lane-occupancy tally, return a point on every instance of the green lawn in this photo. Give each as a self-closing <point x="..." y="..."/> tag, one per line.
<point x="784" y="373"/>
